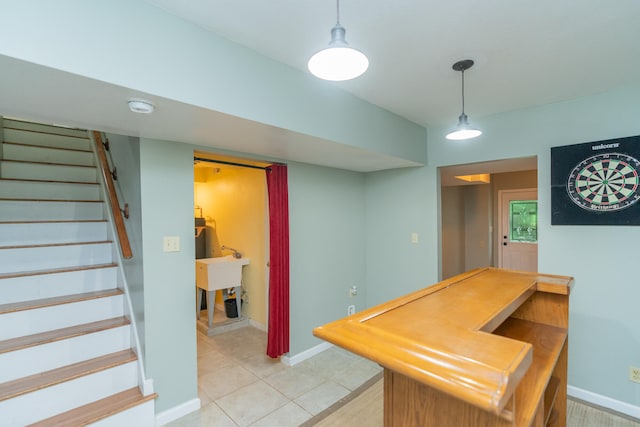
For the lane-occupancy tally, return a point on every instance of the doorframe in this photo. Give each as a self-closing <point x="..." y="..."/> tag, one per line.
<point x="501" y="194"/>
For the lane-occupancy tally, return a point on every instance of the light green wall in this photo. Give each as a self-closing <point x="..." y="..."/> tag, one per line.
<point x="327" y="257"/>
<point x="333" y="212"/>
<point x="125" y="155"/>
<point x="167" y="210"/>
<point x="604" y="338"/>
<point x="133" y="44"/>
<point x="399" y="203"/>
<point x="327" y="210"/>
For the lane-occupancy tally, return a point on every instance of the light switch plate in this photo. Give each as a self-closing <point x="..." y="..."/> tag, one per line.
<point x="171" y="244"/>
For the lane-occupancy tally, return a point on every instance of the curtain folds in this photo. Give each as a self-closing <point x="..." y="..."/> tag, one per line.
<point x="278" y="334"/>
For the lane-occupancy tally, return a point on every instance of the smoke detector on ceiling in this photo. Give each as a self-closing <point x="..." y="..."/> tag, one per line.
<point x="141" y="106"/>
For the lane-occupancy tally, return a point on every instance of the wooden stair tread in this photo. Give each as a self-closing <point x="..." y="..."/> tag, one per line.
<point x="52" y="173"/>
<point x="47" y="146"/>
<point x="11" y="199"/>
<point x="97" y="410"/>
<point x="32" y="162"/>
<point x="61" y="334"/>
<point x="45" y="245"/>
<point x="45" y="379"/>
<point x="48" y="181"/>
<point x="43" y="132"/>
<point x="53" y="221"/>
<point x="65" y="299"/>
<point x="56" y="270"/>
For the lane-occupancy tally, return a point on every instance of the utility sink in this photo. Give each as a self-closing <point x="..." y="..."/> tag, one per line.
<point x="220" y="272"/>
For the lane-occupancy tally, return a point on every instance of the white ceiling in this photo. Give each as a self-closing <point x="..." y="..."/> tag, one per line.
<point x="527" y="53"/>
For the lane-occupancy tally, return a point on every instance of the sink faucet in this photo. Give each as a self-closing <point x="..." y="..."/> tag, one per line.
<point x="236" y="254"/>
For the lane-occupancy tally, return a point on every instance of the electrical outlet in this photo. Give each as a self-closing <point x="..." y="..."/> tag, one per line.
<point x="353" y="291"/>
<point x="634" y="374"/>
<point x="351" y="310"/>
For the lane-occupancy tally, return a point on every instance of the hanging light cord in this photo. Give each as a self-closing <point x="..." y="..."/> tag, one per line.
<point x="462" y="91"/>
<point x="338" y="12"/>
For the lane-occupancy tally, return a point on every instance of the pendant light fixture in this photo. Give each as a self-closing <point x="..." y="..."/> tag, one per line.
<point x="463" y="130"/>
<point x="338" y="62"/>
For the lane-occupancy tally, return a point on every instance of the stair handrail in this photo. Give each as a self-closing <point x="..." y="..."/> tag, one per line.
<point x="123" y="238"/>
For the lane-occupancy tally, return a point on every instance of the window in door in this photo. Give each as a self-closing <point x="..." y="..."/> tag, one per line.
<point x="524" y="221"/>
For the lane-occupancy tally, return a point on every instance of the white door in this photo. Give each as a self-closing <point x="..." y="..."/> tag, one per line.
<point x="518" y="228"/>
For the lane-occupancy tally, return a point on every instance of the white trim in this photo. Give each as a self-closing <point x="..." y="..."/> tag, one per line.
<point x="147" y="387"/>
<point x="172" y="414"/>
<point x="145" y="384"/>
<point x="307" y="354"/>
<point x="604" y="401"/>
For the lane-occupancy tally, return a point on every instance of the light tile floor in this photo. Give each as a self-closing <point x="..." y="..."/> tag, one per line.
<point x="239" y="385"/>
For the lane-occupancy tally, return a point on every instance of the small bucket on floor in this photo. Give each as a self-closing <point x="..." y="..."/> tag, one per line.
<point x="230" y="308"/>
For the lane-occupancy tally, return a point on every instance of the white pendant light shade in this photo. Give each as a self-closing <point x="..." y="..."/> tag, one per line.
<point x="463" y="130"/>
<point x="339" y="61"/>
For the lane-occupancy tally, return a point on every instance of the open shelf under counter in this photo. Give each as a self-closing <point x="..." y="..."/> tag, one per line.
<point x="538" y="389"/>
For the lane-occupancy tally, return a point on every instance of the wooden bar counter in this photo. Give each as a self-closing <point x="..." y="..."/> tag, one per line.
<point x="484" y="348"/>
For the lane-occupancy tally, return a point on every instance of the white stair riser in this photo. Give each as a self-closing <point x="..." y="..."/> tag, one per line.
<point x="50" y="401"/>
<point x="26" y="288"/>
<point x="38" y="156"/>
<point x="49" y="190"/>
<point x="18" y="210"/>
<point x="38" y="127"/>
<point x="29" y="322"/>
<point x="14" y="260"/>
<point x="30" y="360"/>
<point x="47" y="155"/>
<point x="46" y="140"/>
<point x="19" y="170"/>
<point x="140" y="416"/>
<point x="52" y="232"/>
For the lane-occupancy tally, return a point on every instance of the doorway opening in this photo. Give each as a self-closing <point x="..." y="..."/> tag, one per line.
<point x="470" y="211"/>
<point x="232" y="220"/>
<point x="518" y="229"/>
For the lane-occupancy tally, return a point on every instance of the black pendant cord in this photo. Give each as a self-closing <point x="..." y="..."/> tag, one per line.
<point x="462" y="66"/>
<point x="463" y="92"/>
<point x="338" y="12"/>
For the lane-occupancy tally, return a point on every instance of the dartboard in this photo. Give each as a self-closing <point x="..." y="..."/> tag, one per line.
<point x="605" y="182"/>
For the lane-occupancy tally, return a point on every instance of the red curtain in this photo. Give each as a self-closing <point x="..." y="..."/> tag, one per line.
<point x="278" y="335"/>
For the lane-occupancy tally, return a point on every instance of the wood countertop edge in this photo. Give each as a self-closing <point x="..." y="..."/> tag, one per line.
<point x="472" y="380"/>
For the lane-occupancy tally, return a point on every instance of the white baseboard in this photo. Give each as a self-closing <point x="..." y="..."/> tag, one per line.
<point x="307" y="354"/>
<point x="172" y="414"/>
<point x="604" y="401"/>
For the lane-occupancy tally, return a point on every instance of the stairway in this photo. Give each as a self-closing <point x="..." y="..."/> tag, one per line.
<point x="67" y="347"/>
